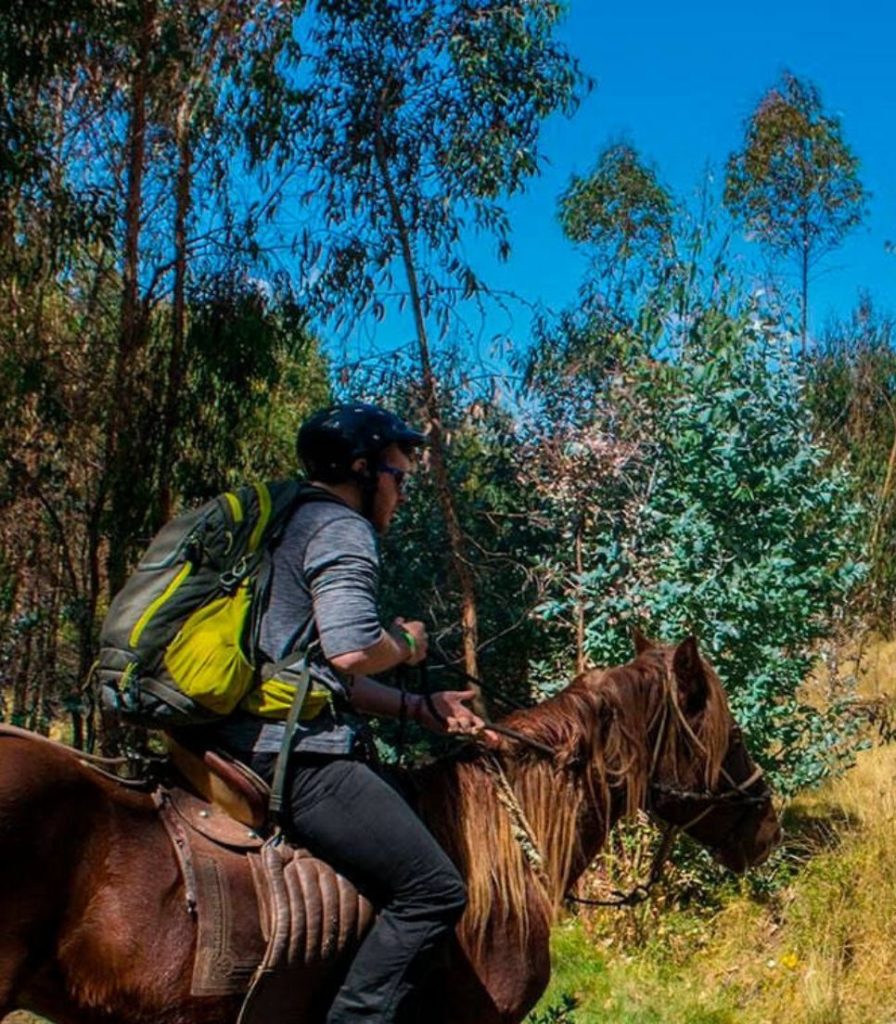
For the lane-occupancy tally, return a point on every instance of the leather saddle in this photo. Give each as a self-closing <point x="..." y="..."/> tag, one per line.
<point x="223" y="782"/>
<point x="267" y="912"/>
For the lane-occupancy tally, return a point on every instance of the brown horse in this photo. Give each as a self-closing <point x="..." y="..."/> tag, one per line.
<point x="93" y="926"/>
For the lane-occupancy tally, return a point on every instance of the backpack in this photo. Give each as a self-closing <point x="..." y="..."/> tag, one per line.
<point x="178" y="645"/>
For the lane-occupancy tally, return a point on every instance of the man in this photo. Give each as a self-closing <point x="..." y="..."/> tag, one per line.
<point x="324" y="586"/>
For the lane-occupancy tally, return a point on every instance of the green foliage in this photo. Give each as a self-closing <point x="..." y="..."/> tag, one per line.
<point x="713" y="511"/>
<point x="675" y="454"/>
<point x="795" y="184"/>
<point x="433" y="113"/>
<point x="669" y="477"/>
<point x="494" y="512"/>
<point x="254" y="372"/>
<point x="561" y="1012"/>
<point x="134" y="341"/>
<point x="42" y="44"/>
<point x="852" y="395"/>
<point x="619" y="213"/>
<point x="819" y="944"/>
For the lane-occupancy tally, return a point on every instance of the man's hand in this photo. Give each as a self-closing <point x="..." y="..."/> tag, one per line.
<point x="451" y="714"/>
<point x="413" y="635"/>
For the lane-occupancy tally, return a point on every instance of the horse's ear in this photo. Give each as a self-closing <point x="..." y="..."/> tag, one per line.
<point x="641" y="642"/>
<point x="693" y="685"/>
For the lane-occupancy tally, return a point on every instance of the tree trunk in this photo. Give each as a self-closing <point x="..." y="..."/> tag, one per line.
<point x="178" y="317"/>
<point x="46" y="676"/>
<point x="18" y="715"/>
<point x="580" y="601"/>
<point x="87" y="649"/>
<point x="459" y="563"/>
<point x="804" y="281"/>
<point x="120" y="456"/>
<point x="886" y="490"/>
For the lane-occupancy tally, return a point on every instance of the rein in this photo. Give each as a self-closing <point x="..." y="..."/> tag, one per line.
<point x="526" y="839"/>
<point x="641" y="890"/>
<point x="105" y="766"/>
<point x="521" y="737"/>
<point x="738" y="790"/>
<point x="737" y="794"/>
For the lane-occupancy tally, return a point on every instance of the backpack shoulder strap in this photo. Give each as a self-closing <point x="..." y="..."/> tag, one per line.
<point x="286" y="497"/>
<point x="297" y="662"/>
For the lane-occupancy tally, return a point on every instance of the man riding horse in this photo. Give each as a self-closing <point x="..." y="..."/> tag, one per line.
<point x="323" y="595"/>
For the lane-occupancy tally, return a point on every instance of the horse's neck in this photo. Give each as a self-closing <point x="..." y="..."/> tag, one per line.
<point x="559" y="811"/>
<point x="569" y="832"/>
<point x="572" y="808"/>
<point x="595" y="824"/>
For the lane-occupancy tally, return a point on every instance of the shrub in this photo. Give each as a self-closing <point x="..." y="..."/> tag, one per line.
<point x="732" y="525"/>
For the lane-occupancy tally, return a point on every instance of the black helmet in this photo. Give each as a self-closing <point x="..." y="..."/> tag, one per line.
<point x="331" y="439"/>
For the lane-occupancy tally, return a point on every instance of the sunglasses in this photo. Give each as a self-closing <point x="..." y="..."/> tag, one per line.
<point x="399" y="475"/>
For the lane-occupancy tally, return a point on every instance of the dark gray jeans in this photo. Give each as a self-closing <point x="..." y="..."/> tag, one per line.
<point x="352" y="818"/>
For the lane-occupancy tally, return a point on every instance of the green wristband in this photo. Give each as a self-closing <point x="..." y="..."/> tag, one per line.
<point x="410" y="640"/>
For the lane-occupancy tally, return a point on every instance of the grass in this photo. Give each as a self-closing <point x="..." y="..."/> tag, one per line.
<point x="817" y="945"/>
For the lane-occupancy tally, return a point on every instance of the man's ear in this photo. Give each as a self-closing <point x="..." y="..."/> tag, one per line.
<point x="641" y="642"/>
<point x="359" y="466"/>
<point x="690" y="674"/>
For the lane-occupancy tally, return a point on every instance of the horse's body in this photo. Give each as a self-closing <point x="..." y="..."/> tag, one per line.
<point x="93" y="924"/>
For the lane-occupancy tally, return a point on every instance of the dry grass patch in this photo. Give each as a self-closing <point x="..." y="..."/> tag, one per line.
<point x="818" y="948"/>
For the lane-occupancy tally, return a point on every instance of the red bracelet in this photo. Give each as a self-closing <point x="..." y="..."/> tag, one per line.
<point x="415" y="708"/>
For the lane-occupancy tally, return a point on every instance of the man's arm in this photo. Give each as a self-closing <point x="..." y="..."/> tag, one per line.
<point x="452" y="715"/>
<point x="404" y="644"/>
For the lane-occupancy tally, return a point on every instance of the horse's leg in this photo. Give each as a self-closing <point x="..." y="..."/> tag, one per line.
<point x="498" y="984"/>
<point x="13" y="958"/>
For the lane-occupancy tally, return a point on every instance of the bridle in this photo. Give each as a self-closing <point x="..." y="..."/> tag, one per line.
<point x="736" y="794"/>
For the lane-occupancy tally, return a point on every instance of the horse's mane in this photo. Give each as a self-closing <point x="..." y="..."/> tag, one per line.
<point x="605" y="729"/>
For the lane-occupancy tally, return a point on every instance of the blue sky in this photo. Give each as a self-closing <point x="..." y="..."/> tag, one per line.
<point x="678" y="81"/>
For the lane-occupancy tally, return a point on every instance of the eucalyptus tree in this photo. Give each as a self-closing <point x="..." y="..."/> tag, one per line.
<point x="188" y="62"/>
<point x="620" y="215"/>
<point x="115" y="139"/>
<point x="413" y="120"/>
<point x="713" y="510"/>
<point x="675" y="460"/>
<point x="43" y="47"/>
<point x="55" y="226"/>
<point x="795" y="182"/>
<point x="216" y="51"/>
<point x="252" y="371"/>
<point x="493" y="502"/>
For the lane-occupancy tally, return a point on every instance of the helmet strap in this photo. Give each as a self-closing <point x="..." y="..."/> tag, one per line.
<point x="368" y="479"/>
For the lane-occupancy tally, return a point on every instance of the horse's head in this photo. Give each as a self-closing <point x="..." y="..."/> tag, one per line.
<point x="701" y="776"/>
